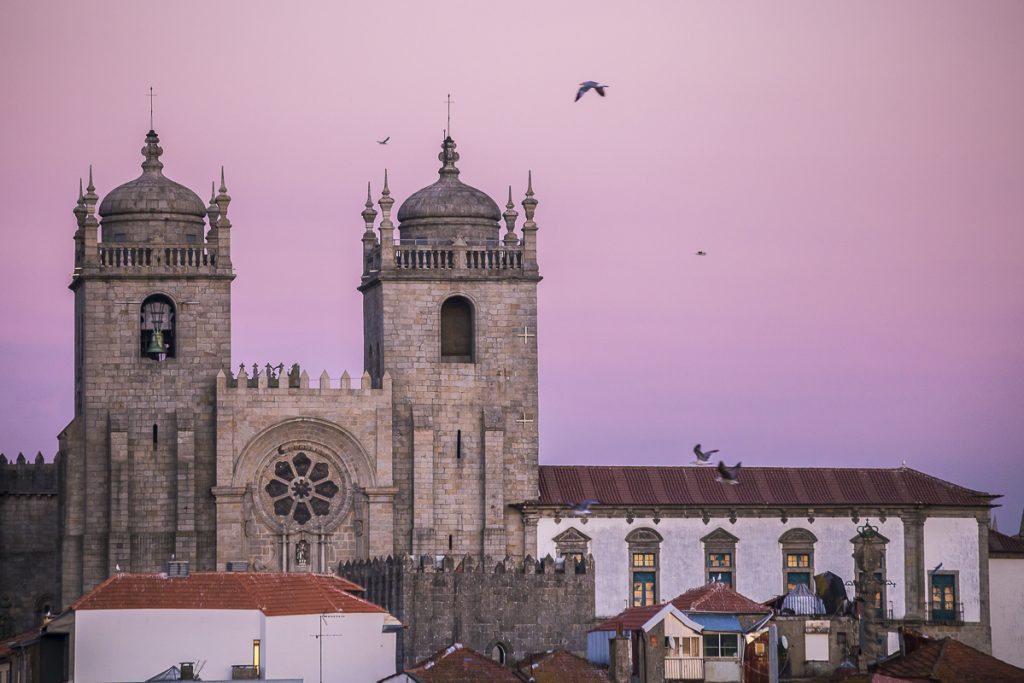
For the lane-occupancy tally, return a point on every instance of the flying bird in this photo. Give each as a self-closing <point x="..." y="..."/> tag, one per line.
<point x="583" y="508"/>
<point x="587" y="85"/>
<point x="937" y="567"/>
<point x="728" y="475"/>
<point x="702" y="457"/>
<point x="702" y="253"/>
<point x="384" y="141"/>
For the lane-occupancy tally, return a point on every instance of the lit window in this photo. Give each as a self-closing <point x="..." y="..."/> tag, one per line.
<point x="720" y="557"/>
<point x="643" y="560"/>
<point x="644" y="548"/>
<point x="797" y="558"/>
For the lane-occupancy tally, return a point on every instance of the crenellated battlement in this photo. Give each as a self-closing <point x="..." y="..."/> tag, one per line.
<point x="296" y="380"/>
<point x="467" y="564"/>
<point x="22" y="477"/>
<point x="526" y="603"/>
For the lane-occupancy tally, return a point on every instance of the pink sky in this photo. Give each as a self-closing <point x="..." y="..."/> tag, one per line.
<point x="855" y="172"/>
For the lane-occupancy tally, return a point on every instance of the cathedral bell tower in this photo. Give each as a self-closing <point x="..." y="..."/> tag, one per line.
<point x="152" y="293"/>
<point x="450" y="311"/>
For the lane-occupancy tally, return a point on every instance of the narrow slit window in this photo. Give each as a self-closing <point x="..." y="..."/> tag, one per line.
<point x="451" y="541"/>
<point x="156" y="434"/>
<point x="458" y="444"/>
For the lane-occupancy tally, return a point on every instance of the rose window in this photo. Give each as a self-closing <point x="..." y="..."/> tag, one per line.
<point x="302" y="489"/>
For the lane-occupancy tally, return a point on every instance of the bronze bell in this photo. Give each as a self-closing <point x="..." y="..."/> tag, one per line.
<point x="156" y="344"/>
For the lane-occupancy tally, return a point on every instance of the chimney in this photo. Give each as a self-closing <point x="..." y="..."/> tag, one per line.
<point x="187" y="671"/>
<point x="620" y="658"/>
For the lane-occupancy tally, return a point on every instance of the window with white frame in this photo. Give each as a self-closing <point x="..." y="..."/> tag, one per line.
<point x="721" y="645"/>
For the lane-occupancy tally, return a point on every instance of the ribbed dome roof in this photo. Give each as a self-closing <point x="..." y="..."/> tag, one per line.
<point x="152" y="192"/>
<point x="449" y="207"/>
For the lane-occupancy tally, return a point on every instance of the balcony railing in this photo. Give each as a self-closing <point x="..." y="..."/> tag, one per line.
<point x="114" y="256"/>
<point x="946" y="613"/>
<point x="684" y="668"/>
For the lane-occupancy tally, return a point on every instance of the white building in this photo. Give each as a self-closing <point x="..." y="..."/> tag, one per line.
<point x="269" y="626"/>
<point x="1006" y="571"/>
<point x="656" y="531"/>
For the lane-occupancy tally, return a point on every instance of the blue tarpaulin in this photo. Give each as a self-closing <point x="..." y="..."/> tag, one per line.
<point x="717" y="622"/>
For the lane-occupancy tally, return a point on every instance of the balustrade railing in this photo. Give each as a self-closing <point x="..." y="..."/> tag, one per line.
<point x="450" y="257"/>
<point x="138" y="256"/>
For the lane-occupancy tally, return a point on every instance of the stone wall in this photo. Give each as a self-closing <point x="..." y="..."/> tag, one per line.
<point x="29" y="542"/>
<point x="527" y="606"/>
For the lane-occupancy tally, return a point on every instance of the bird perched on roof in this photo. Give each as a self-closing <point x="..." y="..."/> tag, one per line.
<point x="588" y="85"/>
<point x="583" y="508"/>
<point x="728" y="475"/>
<point x="384" y="141"/>
<point x="702" y="457"/>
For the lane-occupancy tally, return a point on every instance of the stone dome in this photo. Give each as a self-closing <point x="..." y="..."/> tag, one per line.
<point x="449" y="208"/>
<point x="152" y="203"/>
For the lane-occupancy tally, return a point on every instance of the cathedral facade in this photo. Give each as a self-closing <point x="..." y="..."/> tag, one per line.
<point x="173" y="453"/>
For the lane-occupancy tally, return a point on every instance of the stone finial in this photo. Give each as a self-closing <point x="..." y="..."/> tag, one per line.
<point x="213" y="211"/>
<point x="89" y="199"/>
<point x="369" y="213"/>
<point x="3" y="459"/>
<point x="152" y="152"/>
<point x="448" y="157"/>
<point x="510" y="217"/>
<point x="21" y="458"/>
<point x="386" y="202"/>
<point x="223" y="199"/>
<point x="39" y="458"/>
<point x="79" y="209"/>
<point x="529" y="203"/>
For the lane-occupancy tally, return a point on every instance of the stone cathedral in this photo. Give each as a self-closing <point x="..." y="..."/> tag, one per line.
<point x="174" y="453"/>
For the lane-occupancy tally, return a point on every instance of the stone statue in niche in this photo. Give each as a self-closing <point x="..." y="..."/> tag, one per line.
<point x="302" y="554"/>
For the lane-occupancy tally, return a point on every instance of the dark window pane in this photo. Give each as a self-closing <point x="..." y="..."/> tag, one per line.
<point x="302" y="514"/>
<point x="320" y="507"/>
<point x="283" y="470"/>
<point x="328" y="489"/>
<point x="282" y="506"/>
<point x="319" y="471"/>
<point x="276" y="488"/>
<point x="457" y="328"/>
<point x="302" y="463"/>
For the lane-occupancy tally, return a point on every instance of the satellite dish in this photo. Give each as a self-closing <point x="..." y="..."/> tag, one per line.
<point x="785" y="642"/>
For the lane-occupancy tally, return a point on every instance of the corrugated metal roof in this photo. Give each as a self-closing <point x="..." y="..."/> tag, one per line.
<point x="803" y="486"/>
<point x="718" y="622"/>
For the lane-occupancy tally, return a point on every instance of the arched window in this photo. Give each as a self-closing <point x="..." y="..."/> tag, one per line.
<point x="797" y="558"/>
<point x="644" y="566"/>
<point x="457" y="330"/>
<point x="157" y="327"/>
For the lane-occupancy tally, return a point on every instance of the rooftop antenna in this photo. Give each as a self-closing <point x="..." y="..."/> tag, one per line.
<point x="449" y="128"/>
<point x="151" y="96"/>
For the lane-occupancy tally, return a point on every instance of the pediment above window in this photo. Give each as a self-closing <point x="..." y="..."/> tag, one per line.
<point x="571" y="535"/>
<point x="798" y="537"/>
<point x="720" y="535"/>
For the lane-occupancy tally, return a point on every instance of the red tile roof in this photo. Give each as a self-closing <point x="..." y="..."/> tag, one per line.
<point x="810" y="486"/>
<point x="273" y="594"/>
<point x="948" y="661"/>
<point x="12" y="643"/>
<point x="560" y="666"/>
<point x="1001" y="545"/>
<point x="459" y="664"/>
<point x="711" y="598"/>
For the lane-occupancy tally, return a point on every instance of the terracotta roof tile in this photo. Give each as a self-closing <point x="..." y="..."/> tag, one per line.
<point x="459" y="664"/>
<point x="560" y="666"/>
<point x="711" y="598"/>
<point x="628" y="485"/>
<point x="1003" y="545"/>
<point x="948" y="661"/>
<point x="273" y="594"/>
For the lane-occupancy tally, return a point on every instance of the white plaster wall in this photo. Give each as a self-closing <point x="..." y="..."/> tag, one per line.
<point x="354" y="648"/>
<point x="758" y="554"/>
<point x="953" y="541"/>
<point x="135" y="644"/>
<point x="1006" y="590"/>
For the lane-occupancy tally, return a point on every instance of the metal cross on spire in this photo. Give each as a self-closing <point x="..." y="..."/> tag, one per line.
<point x="449" y="128"/>
<point x="151" y="96"/>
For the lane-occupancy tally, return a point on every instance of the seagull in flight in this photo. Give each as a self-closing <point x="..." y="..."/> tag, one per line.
<point x="384" y="141"/>
<point x="728" y="475"/>
<point x="583" y="508"/>
<point x="702" y="457"/>
<point x="937" y="567"/>
<point x="587" y="85"/>
<point x="702" y="253"/>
